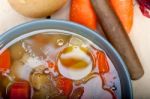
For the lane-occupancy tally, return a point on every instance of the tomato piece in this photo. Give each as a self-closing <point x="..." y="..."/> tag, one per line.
<point x="5" y="60"/>
<point x="102" y="62"/>
<point x="20" y="90"/>
<point x="65" y="85"/>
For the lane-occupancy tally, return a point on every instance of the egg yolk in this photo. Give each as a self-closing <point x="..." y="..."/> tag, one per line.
<point x="74" y="61"/>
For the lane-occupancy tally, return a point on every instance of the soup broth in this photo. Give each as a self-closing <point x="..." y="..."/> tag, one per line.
<point x="57" y="65"/>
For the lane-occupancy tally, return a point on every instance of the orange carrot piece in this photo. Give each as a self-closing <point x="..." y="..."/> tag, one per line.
<point x="102" y="62"/>
<point x="81" y="11"/>
<point x="5" y="60"/>
<point x="124" y="10"/>
<point x="65" y="85"/>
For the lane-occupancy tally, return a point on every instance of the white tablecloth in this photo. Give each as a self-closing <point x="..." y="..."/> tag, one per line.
<point x="140" y="36"/>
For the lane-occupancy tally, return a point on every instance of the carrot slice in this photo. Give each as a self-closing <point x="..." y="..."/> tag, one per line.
<point x="65" y="85"/>
<point x="20" y="90"/>
<point x="102" y="62"/>
<point x="81" y="11"/>
<point x="124" y="10"/>
<point x="5" y="60"/>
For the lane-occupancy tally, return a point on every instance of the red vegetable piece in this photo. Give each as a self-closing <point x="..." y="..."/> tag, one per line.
<point x="5" y="60"/>
<point x="20" y="90"/>
<point x="102" y="62"/>
<point x="65" y="85"/>
<point x="145" y="7"/>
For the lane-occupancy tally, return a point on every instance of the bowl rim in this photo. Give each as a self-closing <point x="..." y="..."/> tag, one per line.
<point x="69" y="23"/>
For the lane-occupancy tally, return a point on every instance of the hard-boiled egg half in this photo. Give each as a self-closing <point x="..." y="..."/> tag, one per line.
<point x="74" y="62"/>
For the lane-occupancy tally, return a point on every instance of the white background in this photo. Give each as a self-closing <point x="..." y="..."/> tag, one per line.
<point x="140" y="36"/>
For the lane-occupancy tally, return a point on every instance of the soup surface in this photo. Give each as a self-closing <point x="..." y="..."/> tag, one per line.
<point x="56" y="65"/>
